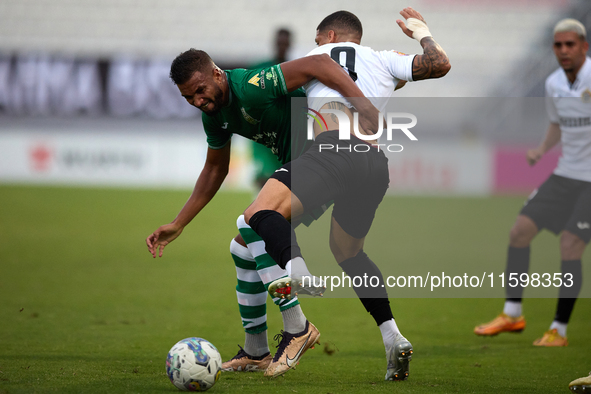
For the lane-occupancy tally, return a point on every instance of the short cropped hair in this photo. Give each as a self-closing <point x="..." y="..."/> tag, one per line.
<point x="184" y="65"/>
<point x="571" y="25"/>
<point x="341" y="22"/>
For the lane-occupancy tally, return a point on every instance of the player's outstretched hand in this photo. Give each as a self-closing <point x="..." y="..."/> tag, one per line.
<point x="162" y="237"/>
<point x="409" y="12"/>
<point x="533" y="155"/>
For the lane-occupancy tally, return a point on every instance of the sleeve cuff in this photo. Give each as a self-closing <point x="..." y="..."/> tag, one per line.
<point x="281" y="79"/>
<point x="218" y="146"/>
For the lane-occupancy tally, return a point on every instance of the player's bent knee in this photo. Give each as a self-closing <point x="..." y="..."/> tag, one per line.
<point x="248" y="214"/>
<point x="340" y="257"/>
<point x="274" y="196"/>
<point x="523" y="232"/>
<point x="517" y="239"/>
<point x="341" y="253"/>
<point x="252" y="210"/>
<point x="571" y="246"/>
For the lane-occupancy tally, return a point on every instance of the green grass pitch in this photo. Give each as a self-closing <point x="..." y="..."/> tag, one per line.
<point x="85" y="309"/>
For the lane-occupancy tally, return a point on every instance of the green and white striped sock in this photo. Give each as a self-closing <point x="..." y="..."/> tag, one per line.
<point x="266" y="267"/>
<point x="250" y="291"/>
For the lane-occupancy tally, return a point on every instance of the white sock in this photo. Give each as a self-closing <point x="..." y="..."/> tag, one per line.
<point x="294" y="320"/>
<point x="298" y="267"/>
<point x="512" y="308"/>
<point x="389" y="331"/>
<point x="560" y="327"/>
<point x="256" y="344"/>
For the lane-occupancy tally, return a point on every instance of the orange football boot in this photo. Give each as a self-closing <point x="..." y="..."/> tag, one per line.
<point x="501" y="323"/>
<point x="551" y="338"/>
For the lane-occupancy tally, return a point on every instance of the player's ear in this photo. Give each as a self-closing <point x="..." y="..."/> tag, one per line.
<point x="332" y="37"/>
<point x="216" y="73"/>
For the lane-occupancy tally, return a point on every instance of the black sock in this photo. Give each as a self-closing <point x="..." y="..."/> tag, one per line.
<point x="567" y="296"/>
<point x="517" y="263"/>
<point x="374" y="299"/>
<point x="278" y="234"/>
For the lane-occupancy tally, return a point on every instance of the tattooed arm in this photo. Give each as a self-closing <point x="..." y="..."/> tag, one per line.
<point x="433" y="63"/>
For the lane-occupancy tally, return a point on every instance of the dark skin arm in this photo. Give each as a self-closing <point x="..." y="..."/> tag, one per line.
<point x="321" y="67"/>
<point x="552" y="138"/>
<point x="433" y="63"/>
<point x="211" y="178"/>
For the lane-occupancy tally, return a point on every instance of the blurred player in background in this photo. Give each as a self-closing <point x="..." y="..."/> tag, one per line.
<point x="265" y="162"/>
<point x="255" y="104"/>
<point x="356" y="181"/>
<point x="281" y="48"/>
<point x="563" y="201"/>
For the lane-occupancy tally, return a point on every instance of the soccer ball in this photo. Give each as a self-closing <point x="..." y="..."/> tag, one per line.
<point x="193" y="364"/>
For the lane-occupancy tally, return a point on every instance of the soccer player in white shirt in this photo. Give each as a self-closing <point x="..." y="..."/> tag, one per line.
<point x="356" y="181"/>
<point x="562" y="204"/>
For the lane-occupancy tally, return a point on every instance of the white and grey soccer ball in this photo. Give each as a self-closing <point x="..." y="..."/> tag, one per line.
<point x="193" y="364"/>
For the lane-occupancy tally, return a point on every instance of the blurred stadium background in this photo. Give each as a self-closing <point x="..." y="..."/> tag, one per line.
<point x="85" y="96"/>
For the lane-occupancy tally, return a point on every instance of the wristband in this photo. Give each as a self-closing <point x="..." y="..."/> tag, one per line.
<point x="419" y="29"/>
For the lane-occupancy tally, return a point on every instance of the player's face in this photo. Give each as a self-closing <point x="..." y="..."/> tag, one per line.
<point x="570" y="50"/>
<point x="204" y="91"/>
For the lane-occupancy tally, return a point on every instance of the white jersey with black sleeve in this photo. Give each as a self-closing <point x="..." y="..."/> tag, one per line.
<point x="570" y="107"/>
<point x="375" y="72"/>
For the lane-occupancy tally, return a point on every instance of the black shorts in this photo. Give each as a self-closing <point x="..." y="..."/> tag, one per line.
<point x="561" y="204"/>
<point x="355" y="177"/>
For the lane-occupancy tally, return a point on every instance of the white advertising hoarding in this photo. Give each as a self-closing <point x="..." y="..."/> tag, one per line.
<point x="175" y="160"/>
<point x="105" y="158"/>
